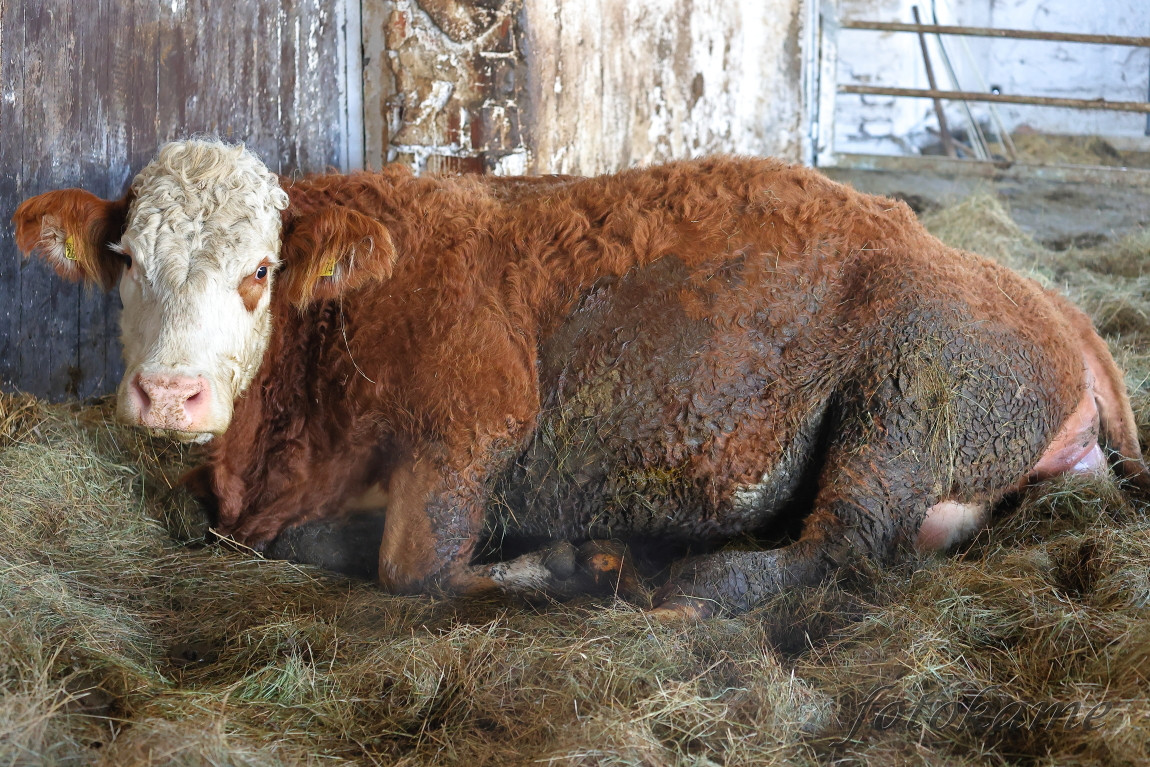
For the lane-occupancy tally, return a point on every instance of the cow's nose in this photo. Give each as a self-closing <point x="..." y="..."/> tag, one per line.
<point x="174" y="402"/>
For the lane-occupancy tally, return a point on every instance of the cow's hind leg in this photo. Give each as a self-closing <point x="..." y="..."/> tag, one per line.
<point x="872" y="482"/>
<point x="737" y="580"/>
<point x="894" y="454"/>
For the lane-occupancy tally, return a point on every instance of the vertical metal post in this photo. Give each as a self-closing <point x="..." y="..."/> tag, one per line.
<point x="809" y="130"/>
<point x="824" y="153"/>
<point x="348" y="17"/>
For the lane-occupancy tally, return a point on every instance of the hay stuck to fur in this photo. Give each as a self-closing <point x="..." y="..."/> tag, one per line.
<point x="124" y="646"/>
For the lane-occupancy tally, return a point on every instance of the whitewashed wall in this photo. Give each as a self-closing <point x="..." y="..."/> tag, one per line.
<point x="1038" y="68"/>
<point x="579" y="86"/>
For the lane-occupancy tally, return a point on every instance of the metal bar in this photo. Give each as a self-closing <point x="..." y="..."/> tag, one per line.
<point x="1018" y="34"/>
<point x="998" y="98"/>
<point x="943" y="128"/>
<point x="809" y="107"/>
<point x="978" y="138"/>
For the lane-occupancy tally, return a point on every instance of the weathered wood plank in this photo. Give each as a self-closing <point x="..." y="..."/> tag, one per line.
<point x="12" y="181"/>
<point x="46" y="341"/>
<point x="90" y="89"/>
<point x="579" y="86"/>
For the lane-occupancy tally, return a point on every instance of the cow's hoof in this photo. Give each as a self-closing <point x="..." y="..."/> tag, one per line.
<point x="610" y="568"/>
<point x="560" y="560"/>
<point x="683" y="608"/>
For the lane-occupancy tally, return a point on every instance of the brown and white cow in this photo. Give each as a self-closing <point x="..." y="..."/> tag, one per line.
<point x="678" y="353"/>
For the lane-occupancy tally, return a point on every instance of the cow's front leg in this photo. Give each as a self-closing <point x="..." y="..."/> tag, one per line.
<point x="434" y="522"/>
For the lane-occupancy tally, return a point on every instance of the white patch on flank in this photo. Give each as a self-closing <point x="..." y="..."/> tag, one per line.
<point x="205" y="216"/>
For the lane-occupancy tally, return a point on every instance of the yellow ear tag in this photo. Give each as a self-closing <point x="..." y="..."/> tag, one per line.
<point x="70" y="249"/>
<point x="328" y="268"/>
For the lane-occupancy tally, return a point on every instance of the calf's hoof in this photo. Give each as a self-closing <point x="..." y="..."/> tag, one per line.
<point x="561" y="560"/>
<point x="682" y="608"/>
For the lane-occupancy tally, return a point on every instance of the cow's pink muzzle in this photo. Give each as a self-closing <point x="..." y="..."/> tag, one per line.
<point x="171" y="402"/>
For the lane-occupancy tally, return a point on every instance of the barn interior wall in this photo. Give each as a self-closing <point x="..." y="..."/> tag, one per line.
<point x="888" y="125"/>
<point x="589" y="86"/>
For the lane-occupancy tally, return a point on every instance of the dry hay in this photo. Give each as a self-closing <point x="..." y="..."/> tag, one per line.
<point x="1048" y="149"/>
<point x="125" y="646"/>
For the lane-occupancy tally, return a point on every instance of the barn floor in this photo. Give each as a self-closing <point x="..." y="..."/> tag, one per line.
<point x="123" y="645"/>
<point x="1058" y="214"/>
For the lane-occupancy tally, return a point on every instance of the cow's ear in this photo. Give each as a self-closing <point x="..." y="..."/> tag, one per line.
<point x="330" y="251"/>
<point x="71" y="229"/>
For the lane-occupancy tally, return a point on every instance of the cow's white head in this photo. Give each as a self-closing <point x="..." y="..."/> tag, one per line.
<point x="195" y="246"/>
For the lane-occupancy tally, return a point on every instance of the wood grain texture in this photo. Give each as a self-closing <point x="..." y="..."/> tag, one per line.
<point x="89" y="89"/>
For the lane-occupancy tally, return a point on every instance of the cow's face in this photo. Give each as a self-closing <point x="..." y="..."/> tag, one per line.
<point x="200" y="247"/>
<point x="195" y="247"/>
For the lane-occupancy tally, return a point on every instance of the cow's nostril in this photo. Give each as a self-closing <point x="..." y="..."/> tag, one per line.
<point x="198" y="402"/>
<point x="142" y="397"/>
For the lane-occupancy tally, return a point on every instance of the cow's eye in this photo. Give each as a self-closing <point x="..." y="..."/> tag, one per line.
<point x="127" y="259"/>
<point x="262" y="272"/>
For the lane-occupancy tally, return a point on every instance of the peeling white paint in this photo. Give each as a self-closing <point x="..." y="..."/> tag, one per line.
<point x="514" y="164"/>
<point x="426" y="84"/>
<point x="597" y="85"/>
<point x="641" y="82"/>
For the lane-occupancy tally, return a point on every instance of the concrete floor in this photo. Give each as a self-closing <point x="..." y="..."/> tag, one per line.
<point x="1058" y="214"/>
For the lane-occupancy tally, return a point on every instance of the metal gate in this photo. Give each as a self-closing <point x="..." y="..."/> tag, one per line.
<point x="823" y="89"/>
